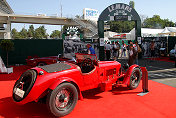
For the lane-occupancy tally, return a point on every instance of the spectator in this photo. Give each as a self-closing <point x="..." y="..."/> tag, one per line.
<point x="152" y="48"/>
<point x="90" y="49"/>
<point x="108" y="51"/>
<point x="137" y="50"/>
<point x="123" y="50"/>
<point x="132" y="55"/>
<point x="114" y="50"/>
<point x="175" y="55"/>
<point x="128" y="46"/>
<point x="118" y="48"/>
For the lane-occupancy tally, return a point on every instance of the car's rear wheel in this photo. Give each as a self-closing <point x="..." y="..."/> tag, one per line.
<point x="62" y="100"/>
<point x="135" y="78"/>
<point x="24" y="84"/>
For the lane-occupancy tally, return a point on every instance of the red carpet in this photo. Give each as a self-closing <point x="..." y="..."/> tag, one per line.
<point x="166" y="59"/>
<point x="17" y="71"/>
<point x="160" y="102"/>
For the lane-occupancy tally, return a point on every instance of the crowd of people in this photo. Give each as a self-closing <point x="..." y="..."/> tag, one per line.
<point x="115" y="51"/>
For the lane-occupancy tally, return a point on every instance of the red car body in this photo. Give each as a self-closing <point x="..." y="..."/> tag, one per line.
<point x="104" y="74"/>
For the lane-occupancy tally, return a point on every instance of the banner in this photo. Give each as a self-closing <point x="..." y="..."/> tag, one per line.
<point x="72" y="46"/>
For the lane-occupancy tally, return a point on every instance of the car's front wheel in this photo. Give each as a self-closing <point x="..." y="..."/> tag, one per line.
<point x="135" y="78"/>
<point x="62" y="100"/>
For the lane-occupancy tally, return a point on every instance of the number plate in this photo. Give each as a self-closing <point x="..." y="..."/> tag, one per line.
<point x="19" y="92"/>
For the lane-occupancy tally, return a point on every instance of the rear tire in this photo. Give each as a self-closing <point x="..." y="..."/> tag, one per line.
<point x="135" y="78"/>
<point x="62" y="100"/>
<point x="25" y="83"/>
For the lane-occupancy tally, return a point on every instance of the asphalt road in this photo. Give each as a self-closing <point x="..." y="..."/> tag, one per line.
<point x="159" y="71"/>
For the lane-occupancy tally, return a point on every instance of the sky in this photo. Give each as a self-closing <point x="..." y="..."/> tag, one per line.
<point x="70" y="8"/>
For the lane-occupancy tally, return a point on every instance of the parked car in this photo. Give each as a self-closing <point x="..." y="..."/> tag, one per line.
<point x="41" y="61"/>
<point x="172" y="54"/>
<point x="63" y="82"/>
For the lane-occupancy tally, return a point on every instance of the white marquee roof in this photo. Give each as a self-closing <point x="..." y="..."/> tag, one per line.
<point x="169" y="29"/>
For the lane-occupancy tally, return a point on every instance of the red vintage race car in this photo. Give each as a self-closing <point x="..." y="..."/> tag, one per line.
<point x="41" y="61"/>
<point x="63" y="82"/>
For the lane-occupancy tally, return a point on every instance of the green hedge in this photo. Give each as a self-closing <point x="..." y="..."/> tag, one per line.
<point x="31" y="47"/>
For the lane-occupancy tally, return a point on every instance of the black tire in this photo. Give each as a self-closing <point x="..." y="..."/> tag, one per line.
<point x="41" y="64"/>
<point x="62" y="100"/>
<point x="25" y="83"/>
<point x="135" y="78"/>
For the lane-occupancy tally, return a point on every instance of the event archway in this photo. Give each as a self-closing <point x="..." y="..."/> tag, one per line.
<point x="117" y="12"/>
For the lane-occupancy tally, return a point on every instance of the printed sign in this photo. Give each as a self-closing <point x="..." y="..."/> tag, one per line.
<point x="139" y="40"/>
<point x="101" y="41"/>
<point x="121" y="17"/>
<point x="90" y="14"/>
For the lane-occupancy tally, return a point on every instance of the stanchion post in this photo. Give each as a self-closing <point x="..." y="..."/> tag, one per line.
<point x="144" y="80"/>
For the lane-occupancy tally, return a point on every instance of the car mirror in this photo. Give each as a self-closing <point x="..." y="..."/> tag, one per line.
<point x="73" y="59"/>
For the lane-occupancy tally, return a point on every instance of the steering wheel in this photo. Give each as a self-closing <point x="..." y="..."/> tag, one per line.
<point x="87" y="64"/>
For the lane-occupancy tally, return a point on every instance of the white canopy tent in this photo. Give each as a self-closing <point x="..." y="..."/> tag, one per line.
<point x="168" y="31"/>
<point x="146" y="32"/>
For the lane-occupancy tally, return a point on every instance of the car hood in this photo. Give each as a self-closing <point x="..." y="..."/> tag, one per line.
<point x="53" y="57"/>
<point x="55" y="67"/>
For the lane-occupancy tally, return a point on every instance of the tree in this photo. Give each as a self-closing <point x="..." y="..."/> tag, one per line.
<point x="7" y="46"/>
<point x="132" y="4"/>
<point x="23" y="33"/>
<point x="55" y="34"/>
<point x="31" y="31"/>
<point x="121" y="26"/>
<point x="143" y="17"/>
<point x="168" y="23"/>
<point x="15" y="34"/>
<point x="40" y="33"/>
<point x="157" y="22"/>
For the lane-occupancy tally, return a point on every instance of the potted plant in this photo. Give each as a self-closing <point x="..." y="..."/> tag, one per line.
<point x="7" y="46"/>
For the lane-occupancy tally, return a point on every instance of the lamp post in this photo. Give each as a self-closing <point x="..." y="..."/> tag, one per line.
<point x="61" y="17"/>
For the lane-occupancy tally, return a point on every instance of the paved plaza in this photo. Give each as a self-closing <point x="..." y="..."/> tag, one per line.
<point x="159" y="71"/>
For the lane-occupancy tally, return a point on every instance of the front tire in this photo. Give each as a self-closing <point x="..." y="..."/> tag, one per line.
<point x="62" y="100"/>
<point x="135" y="78"/>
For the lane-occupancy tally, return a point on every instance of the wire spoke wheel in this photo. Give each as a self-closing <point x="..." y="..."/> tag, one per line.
<point x="62" y="100"/>
<point x="135" y="78"/>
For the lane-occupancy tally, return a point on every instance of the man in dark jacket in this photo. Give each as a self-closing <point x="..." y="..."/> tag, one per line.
<point x="132" y="55"/>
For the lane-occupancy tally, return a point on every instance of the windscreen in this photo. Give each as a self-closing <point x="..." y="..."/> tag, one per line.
<point x="80" y="57"/>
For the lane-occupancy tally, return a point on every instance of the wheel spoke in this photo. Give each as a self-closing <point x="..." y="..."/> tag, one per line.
<point x="134" y="79"/>
<point x="62" y="98"/>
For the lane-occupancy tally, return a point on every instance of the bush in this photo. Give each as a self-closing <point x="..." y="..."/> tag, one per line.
<point x="7" y="46"/>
